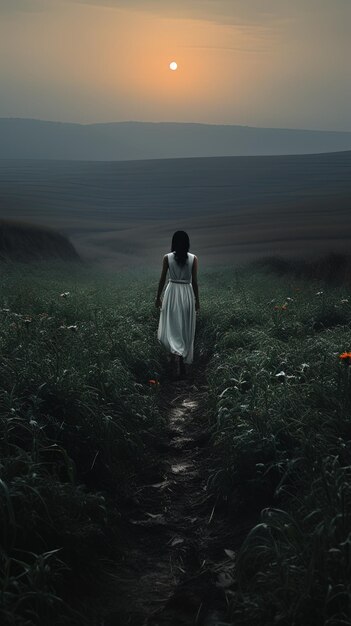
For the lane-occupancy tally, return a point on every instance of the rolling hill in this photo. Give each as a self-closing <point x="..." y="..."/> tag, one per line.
<point x="36" y="139"/>
<point x="235" y="208"/>
<point x="29" y="242"/>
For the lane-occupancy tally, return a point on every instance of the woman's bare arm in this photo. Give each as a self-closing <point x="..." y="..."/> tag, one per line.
<point x="194" y="283"/>
<point x="161" y="284"/>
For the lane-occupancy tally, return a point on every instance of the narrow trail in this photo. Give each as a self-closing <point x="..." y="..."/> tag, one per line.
<point x="171" y="575"/>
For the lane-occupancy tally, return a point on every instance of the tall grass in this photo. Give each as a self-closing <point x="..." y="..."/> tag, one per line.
<point x="281" y="399"/>
<point x="78" y="420"/>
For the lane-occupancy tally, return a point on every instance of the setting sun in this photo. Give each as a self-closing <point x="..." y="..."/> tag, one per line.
<point x="173" y="66"/>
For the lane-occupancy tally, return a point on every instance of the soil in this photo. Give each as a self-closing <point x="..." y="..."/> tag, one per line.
<point x="180" y="559"/>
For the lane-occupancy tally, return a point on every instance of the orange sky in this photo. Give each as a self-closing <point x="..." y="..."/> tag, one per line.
<point x="84" y="61"/>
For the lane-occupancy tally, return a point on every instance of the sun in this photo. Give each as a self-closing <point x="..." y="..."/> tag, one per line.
<point x="173" y="66"/>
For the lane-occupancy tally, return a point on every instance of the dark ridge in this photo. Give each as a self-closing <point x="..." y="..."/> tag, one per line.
<point x="28" y="242"/>
<point x="37" y="139"/>
<point x="333" y="269"/>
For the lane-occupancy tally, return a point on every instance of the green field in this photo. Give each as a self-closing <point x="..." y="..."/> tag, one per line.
<point x="81" y="424"/>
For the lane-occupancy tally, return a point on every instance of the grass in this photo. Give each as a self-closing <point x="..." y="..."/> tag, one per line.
<point x="80" y="421"/>
<point x="281" y="398"/>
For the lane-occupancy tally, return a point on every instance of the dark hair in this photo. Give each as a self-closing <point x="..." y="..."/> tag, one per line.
<point x="180" y="246"/>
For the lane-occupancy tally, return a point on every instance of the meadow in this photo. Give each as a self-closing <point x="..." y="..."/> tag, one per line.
<point x="78" y="420"/>
<point x="81" y="377"/>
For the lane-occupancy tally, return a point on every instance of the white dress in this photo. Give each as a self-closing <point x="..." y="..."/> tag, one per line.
<point x="176" y="329"/>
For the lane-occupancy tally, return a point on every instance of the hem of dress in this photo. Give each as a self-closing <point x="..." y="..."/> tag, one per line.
<point x="186" y="360"/>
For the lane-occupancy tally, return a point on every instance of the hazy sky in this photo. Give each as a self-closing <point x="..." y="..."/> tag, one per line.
<point x="280" y="63"/>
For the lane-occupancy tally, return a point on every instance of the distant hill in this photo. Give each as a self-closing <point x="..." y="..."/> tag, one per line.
<point x="36" y="139"/>
<point x="28" y="242"/>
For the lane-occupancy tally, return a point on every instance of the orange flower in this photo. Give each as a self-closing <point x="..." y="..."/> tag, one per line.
<point x="345" y="357"/>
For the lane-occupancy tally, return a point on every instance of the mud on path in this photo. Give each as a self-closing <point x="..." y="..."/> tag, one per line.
<point x="179" y="562"/>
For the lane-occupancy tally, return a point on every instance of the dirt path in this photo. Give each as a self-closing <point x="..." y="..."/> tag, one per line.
<point x="171" y="575"/>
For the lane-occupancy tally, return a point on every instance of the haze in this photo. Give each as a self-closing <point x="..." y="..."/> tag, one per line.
<point x="275" y="63"/>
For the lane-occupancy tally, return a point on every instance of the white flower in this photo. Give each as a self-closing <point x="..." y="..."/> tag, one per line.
<point x="65" y="294"/>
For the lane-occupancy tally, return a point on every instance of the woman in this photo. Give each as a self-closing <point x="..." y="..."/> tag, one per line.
<point x="176" y="327"/>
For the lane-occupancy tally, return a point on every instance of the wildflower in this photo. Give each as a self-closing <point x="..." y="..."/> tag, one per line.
<point x="27" y="321"/>
<point x="281" y="375"/>
<point x="304" y="366"/>
<point x="153" y="382"/>
<point x="6" y="310"/>
<point x="319" y="293"/>
<point x="344" y="301"/>
<point x="65" y="294"/>
<point x="345" y="357"/>
<point x="290" y="299"/>
<point x="73" y="328"/>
